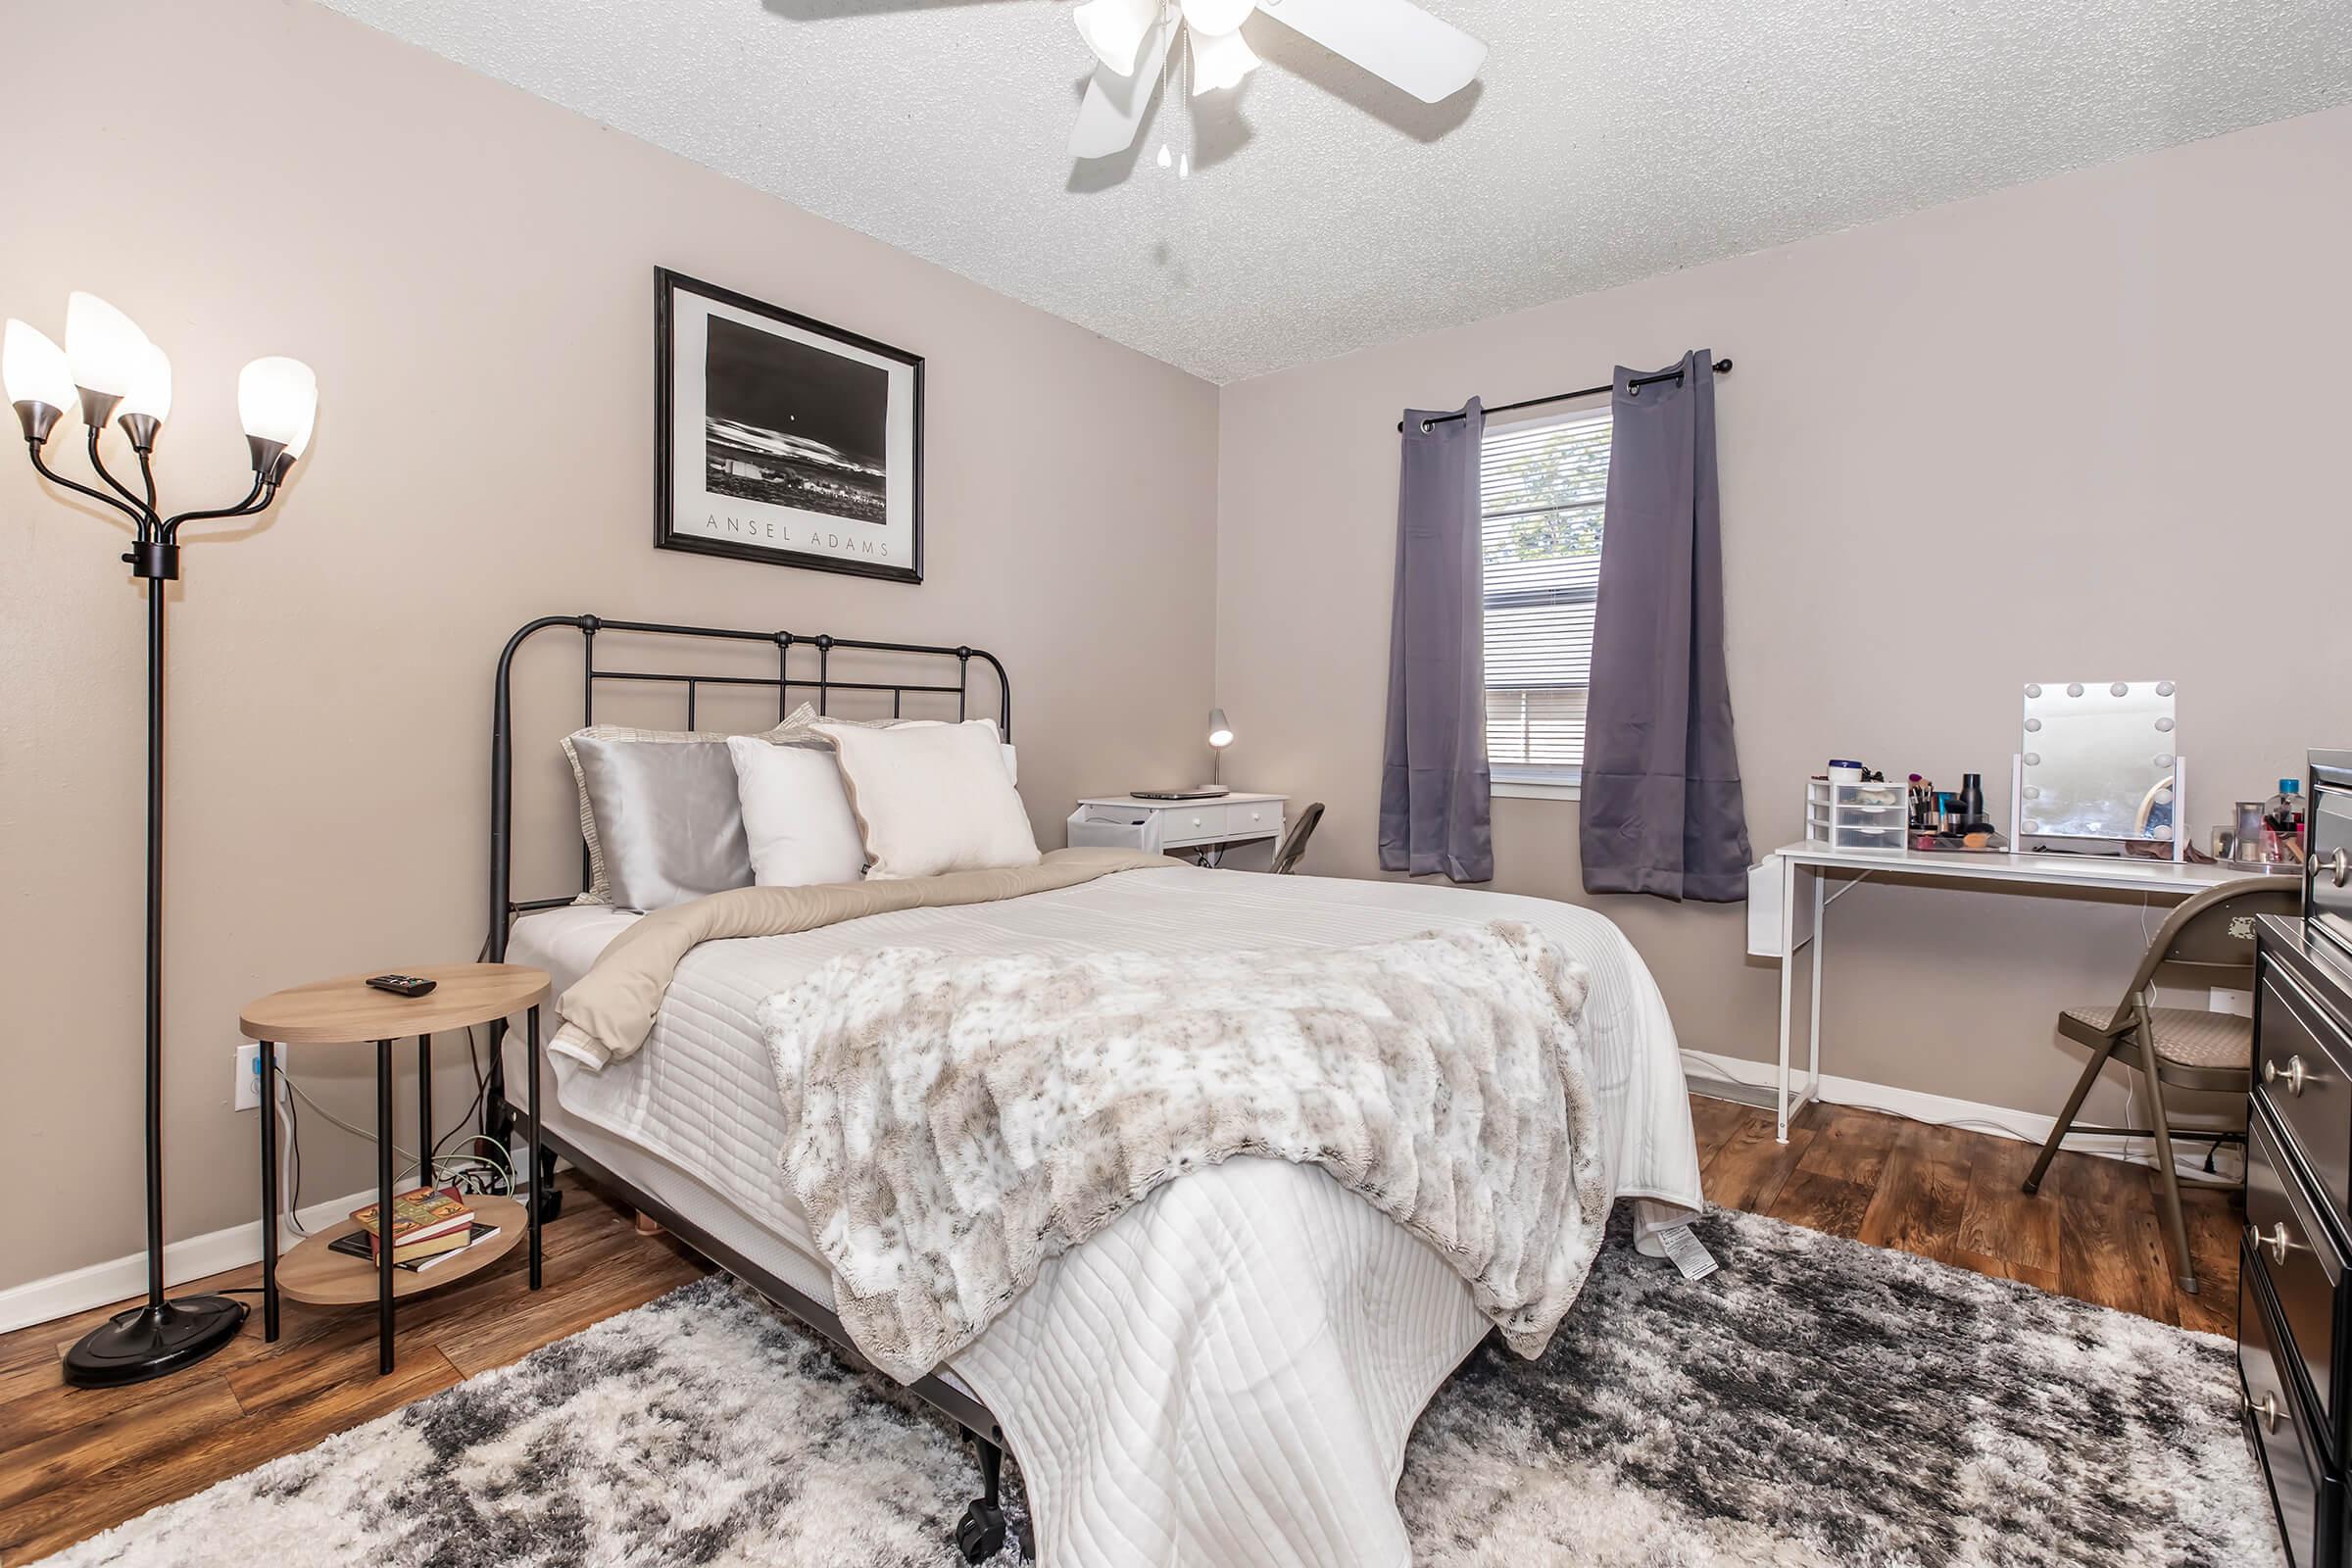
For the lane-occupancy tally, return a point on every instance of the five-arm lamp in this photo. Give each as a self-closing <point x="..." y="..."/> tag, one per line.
<point x="111" y="374"/>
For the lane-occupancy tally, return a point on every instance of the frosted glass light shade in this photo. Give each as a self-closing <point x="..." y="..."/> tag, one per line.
<point x="105" y="347"/>
<point x="33" y="369"/>
<point x="151" y="389"/>
<point x="278" y="400"/>
<point x="1220" y="59"/>
<point x="1220" y="733"/>
<point x="1217" y="16"/>
<point x="1115" y="29"/>
<point x="302" y="437"/>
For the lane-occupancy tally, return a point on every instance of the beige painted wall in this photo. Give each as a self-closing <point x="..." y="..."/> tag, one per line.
<point x="471" y="273"/>
<point x="2089" y="428"/>
<point x="2119" y="388"/>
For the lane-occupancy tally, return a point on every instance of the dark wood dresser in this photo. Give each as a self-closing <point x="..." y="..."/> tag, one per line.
<point x="2294" y="1311"/>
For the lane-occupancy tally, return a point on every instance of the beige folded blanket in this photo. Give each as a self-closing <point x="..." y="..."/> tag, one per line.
<point x="609" y="1012"/>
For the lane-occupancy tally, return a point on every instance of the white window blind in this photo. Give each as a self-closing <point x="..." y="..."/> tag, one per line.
<point x="1542" y="488"/>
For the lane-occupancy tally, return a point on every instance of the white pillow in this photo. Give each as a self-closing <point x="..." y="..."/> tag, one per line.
<point x="796" y="817"/>
<point x="806" y="726"/>
<point x="931" y="798"/>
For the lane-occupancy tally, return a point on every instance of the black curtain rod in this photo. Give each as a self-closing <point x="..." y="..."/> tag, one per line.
<point x="1722" y="367"/>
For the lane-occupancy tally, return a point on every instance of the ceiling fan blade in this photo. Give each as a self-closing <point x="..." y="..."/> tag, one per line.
<point x="1113" y="109"/>
<point x="1393" y="39"/>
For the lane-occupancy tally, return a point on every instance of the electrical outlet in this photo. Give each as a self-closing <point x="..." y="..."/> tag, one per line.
<point x="2223" y="998"/>
<point x="249" y="1074"/>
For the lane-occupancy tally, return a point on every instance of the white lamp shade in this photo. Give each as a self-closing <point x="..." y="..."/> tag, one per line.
<point x="277" y="399"/>
<point x="302" y="437"/>
<point x="33" y="369"/>
<point x="105" y="347"/>
<point x="1115" y="29"/>
<point x="1220" y="733"/>
<point x="1220" y="59"/>
<point x="1216" y="16"/>
<point x="151" y="389"/>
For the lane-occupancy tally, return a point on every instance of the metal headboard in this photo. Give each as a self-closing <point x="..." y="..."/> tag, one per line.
<point x="785" y="681"/>
<point x="498" y="1116"/>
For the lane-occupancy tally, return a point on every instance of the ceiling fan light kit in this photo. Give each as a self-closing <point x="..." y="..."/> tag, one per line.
<point x="1395" y="40"/>
<point x="1220" y="59"/>
<point x="1216" y="15"/>
<point x="1115" y="29"/>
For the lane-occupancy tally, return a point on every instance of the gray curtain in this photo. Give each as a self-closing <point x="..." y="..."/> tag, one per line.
<point x="1436" y="803"/>
<point x="1662" y="810"/>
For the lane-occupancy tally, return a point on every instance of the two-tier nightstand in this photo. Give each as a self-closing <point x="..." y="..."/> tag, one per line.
<point x="339" y="1012"/>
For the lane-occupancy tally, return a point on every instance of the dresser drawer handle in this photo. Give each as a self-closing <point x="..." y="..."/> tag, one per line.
<point x="2338" y="866"/>
<point x="2296" y="1075"/>
<point x="2266" y="1407"/>
<point x="2278" y="1242"/>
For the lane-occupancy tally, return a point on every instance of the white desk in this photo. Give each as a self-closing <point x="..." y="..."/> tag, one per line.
<point x="1236" y="818"/>
<point x="1808" y="867"/>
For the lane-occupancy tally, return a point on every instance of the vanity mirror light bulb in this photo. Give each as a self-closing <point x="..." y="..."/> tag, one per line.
<point x="2164" y="726"/>
<point x="2033" y="690"/>
<point x="2074" y="688"/>
<point x="2033" y="726"/>
<point x="2120" y="689"/>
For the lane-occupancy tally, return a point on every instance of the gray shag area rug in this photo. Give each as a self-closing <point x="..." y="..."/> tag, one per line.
<point x="1817" y="1401"/>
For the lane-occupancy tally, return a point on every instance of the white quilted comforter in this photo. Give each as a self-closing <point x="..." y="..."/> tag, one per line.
<point x="1227" y="1375"/>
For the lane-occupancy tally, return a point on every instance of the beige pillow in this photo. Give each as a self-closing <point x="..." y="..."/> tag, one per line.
<point x="931" y="799"/>
<point x="600" y="882"/>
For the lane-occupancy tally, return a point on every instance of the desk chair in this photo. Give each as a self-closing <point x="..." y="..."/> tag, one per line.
<point x="2210" y="1053"/>
<point x="1294" y="842"/>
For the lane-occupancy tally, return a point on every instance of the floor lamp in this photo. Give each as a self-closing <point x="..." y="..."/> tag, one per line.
<point x="116" y="375"/>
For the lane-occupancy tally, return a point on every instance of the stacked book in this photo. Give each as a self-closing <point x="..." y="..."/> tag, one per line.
<point x="430" y="1227"/>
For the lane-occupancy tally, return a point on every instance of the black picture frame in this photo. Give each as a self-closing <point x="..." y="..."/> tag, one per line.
<point x="752" y="526"/>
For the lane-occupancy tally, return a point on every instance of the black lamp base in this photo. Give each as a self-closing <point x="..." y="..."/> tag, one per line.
<point x="149" y="1341"/>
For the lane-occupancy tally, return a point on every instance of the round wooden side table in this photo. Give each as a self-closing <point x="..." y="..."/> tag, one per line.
<point x="345" y="1010"/>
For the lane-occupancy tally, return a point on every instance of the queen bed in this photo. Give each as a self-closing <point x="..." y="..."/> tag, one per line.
<point x="1226" y="1374"/>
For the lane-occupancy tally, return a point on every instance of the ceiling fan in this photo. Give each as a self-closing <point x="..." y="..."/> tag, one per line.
<point x="1393" y="39"/>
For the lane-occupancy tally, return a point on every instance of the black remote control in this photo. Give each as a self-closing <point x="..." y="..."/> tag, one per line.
<point x="403" y="985"/>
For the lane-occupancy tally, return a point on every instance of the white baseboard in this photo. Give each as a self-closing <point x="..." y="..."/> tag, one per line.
<point x="1942" y="1111"/>
<point x="121" y="1277"/>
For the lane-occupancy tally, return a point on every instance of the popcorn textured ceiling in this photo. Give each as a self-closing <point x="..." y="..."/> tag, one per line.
<point x="1605" y="141"/>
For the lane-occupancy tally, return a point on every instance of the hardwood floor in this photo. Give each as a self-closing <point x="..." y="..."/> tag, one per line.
<point x="2094" y="1232"/>
<point x="75" y="1461"/>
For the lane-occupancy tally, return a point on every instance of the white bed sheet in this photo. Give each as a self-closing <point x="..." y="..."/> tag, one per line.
<point x="1228" y="1374"/>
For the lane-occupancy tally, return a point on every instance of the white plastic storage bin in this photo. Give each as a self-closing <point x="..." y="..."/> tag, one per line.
<point x="1116" y="828"/>
<point x="1857" y="816"/>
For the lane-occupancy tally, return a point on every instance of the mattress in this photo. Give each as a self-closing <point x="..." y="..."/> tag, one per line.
<point x="1331" y="1325"/>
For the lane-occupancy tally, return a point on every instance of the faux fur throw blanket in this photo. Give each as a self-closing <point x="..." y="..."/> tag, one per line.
<point x="957" y="1121"/>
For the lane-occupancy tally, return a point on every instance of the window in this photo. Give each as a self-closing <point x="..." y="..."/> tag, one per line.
<point x="1541" y="489"/>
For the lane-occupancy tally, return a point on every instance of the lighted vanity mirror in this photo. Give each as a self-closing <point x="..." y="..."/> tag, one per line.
<point x="2100" y="761"/>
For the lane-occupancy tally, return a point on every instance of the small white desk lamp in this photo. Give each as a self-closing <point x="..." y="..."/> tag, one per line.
<point x="1220" y="736"/>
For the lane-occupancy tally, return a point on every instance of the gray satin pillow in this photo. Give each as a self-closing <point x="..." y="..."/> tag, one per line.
<point x="669" y="826"/>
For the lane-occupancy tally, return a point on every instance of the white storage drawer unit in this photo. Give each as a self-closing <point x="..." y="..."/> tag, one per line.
<point x="1857" y="816"/>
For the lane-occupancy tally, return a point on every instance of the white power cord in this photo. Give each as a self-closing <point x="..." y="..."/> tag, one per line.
<point x="456" y="1165"/>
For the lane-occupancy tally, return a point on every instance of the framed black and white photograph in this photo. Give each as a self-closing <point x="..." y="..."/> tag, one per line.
<point x="782" y="439"/>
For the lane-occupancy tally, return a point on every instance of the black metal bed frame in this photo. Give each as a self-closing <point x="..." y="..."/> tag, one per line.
<point x="981" y="1533"/>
